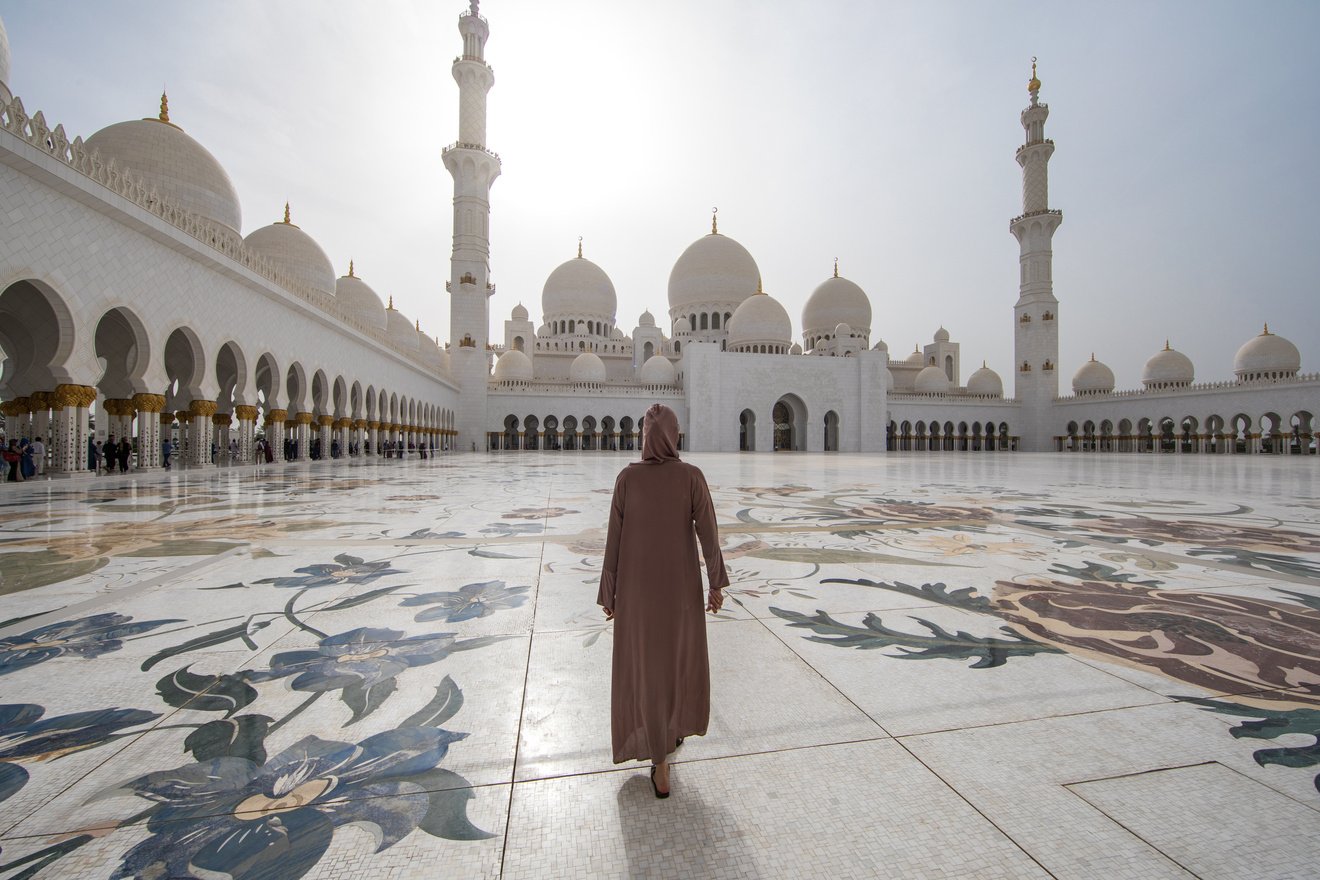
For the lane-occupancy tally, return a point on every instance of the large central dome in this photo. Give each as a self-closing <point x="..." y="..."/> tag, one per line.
<point x="578" y="287"/>
<point x="714" y="269"/>
<point x="173" y="164"/>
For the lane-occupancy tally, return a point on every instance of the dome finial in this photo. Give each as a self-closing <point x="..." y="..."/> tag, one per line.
<point x="714" y="227"/>
<point x="1166" y="346"/>
<point x="1266" y="331"/>
<point x="758" y="286"/>
<point x="390" y="307"/>
<point x="836" y="267"/>
<point x="164" y="106"/>
<point x="287" y="221"/>
<point x="1092" y="357"/>
<point x="418" y="324"/>
<point x="350" y="269"/>
<point x="579" y="247"/>
<point x="1034" y="85"/>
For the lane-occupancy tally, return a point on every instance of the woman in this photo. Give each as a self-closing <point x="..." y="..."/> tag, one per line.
<point x="13" y="458"/>
<point x="650" y="587"/>
<point x="26" y="466"/>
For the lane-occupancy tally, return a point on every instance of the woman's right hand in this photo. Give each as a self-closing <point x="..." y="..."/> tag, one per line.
<point x="714" y="601"/>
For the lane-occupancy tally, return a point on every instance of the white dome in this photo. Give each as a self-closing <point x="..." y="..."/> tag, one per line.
<point x="295" y="253"/>
<point x="400" y="330"/>
<point x="658" y="371"/>
<point x="916" y="358"/>
<point x="587" y="369"/>
<point x="941" y="335"/>
<point x="836" y="301"/>
<point x="578" y="287"/>
<point x="617" y="334"/>
<point x="646" y="320"/>
<point x="4" y="63"/>
<point x="519" y="313"/>
<point x="175" y="165"/>
<point x="1267" y="356"/>
<point x="985" y="382"/>
<point x="760" y="320"/>
<point x="842" y="330"/>
<point x="795" y="348"/>
<point x="931" y="380"/>
<point x="713" y="269"/>
<point x="433" y="355"/>
<point x="355" y="296"/>
<point x="1168" y="368"/>
<point x="880" y="345"/>
<point x="513" y="366"/>
<point x="1093" y="377"/>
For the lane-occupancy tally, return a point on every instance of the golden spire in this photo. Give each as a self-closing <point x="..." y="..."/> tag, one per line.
<point x="836" y="267"/>
<point x="1093" y="355"/>
<point x="419" y="325"/>
<point x="1034" y="85"/>
<point x="164" y="107"/>
<point x="350" y="269"/>
<point x="758" y="286"/>
<point x="1266" y="331"/>
<point x="579" y="247"/>
<point x="287" y="221"/>
<point x="1166" y="345"/>
<point x="390" y="307"/>
<point x="983" y="365"/>
<point x="714" y="227"/>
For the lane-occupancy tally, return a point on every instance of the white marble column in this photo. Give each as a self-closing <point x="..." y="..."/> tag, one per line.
<point x="201" y="432"/>
<point x="148" y="408"/>
<point x="275" y="432"/>
<point x="67" y="428"/>
<point x="247" y="433"/>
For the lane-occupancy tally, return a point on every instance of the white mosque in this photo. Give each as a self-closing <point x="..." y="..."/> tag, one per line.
<point x="130" y="296"/>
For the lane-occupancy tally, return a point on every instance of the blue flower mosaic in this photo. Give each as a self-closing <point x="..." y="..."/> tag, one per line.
<point x="509" y="530"/>
<point x="24" y="736"/>
<point x="467" y="602"/>
<point x="361" y="657"/>
<point x="232" y="817"/>
<point x="344" y="570"/>
<point x="86" y="637"/>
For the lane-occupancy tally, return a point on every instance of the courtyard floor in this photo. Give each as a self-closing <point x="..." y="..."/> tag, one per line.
<point x="990" y="666"/>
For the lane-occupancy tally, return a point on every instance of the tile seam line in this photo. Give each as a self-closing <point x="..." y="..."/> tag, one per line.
<point x="124" y="593"/>
<point x="1078" y="795"/>
<point x="956" y="793"/>
<point x="522" y="704"/>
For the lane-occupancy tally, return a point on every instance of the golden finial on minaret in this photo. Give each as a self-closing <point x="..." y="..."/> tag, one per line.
<point x="164" y="106"/>
<point x="1034" y="85"/>
<point x="287" y="221"/>
<point x="579" y="247"/>
<point x="836" y="267"/>
<point x="714" y="227"/>
<point x="350" y="269"/>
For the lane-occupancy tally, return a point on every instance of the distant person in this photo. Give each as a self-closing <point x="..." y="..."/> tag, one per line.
<point x="166" y="450"/>
<point x="13" y="458"/>
<point x="109" y="453"/>
<point x="650" y="586"/>
<point x="125" y="452"/>
<point x="93" y="455"/>
<point x="25" y="464"/>
<point x="39" y="456"/>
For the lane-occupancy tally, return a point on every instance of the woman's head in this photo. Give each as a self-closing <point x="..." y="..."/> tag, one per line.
<point x="659" y="434"/>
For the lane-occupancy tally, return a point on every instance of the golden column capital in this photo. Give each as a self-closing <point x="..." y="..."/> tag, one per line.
<point x="183" y="415"/>
<point x="325" y="421"/>
<point x="245" y="413"/>
<point x="275" y="416"/>
<point x="221" y="420"/>
<point x="360" y="423"/>
<point x="167" y="418"/>
<point x="202" y="407"/>
<point x="39" y="400"/>
<point x="21" y="406"/>
<point x="148" y="402"/>
<point x="343" y="423"/>
<point x="373" y="425"/>
<point x="117" y="407"/>
<point x="304" y="418"/>
<point x="71" y="395"/>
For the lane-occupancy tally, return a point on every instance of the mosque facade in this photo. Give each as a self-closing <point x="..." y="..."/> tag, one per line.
<point x="129" y="295"/>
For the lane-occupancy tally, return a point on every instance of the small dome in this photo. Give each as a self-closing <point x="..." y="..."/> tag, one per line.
<point x="795" y="348"/>
<point x="295" y="253"/>
<point x="916" y="358"/>
<point x="543" y="330"/>
<point x="519" y="313"/>
<point x="355" y="296"/>
<point x="1093" y="377"/>
<point x="578" y="287"/>
<point x="646" y="320"/>
<point x="941" y="335"/>
<point x="173" y="164"/>
<point x="713" y="269"/>
<point x="1168" y="368"/>
<point x="4" y="63"/>
<point x="513" y="366"/>
<point x="399" y="329"/>
<point x="658" y="371"/>
<point x="1267" y="356"/>
<point x="760" y="320"/>
<point x="836" y="301"/>
<point x="587" y="369"/>
<point x="931" y="380"/>
<point x="880" y="345"/>
<point x="985" y="382"/>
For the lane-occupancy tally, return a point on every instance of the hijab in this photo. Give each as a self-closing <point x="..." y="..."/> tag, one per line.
<point x="659" y="435"/>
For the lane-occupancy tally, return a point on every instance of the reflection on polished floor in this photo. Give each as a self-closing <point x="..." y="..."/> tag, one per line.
<point x="991" y="666"/>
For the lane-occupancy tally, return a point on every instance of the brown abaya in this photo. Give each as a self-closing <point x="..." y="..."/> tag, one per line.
<point x="652" y="582"/>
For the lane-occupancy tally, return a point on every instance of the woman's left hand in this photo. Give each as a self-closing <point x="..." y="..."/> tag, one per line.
<point x="609" y="613"/>
<point x="714" y="601"/>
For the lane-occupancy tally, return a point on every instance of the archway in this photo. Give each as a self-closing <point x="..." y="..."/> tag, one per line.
<point x="747" y="431"/>
<point x="789" y="415"/>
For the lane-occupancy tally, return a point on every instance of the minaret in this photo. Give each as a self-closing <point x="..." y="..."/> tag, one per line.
<point x="474" y="168"/>
<point x="1036" y="315"/>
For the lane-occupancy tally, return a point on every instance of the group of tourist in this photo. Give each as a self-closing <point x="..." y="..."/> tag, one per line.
<point x="25" y="459"/>
<point x="112" y="452"/>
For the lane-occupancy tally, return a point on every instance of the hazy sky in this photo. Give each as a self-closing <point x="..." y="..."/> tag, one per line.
<point x="1187" y="140"/>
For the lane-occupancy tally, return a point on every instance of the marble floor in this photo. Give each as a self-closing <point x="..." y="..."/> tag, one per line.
<point x="990" y="666"/>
